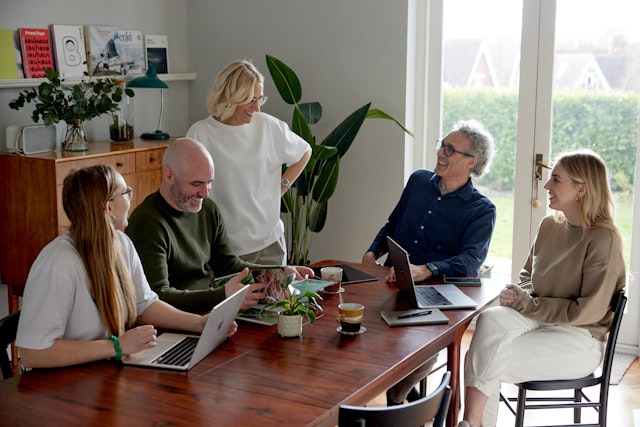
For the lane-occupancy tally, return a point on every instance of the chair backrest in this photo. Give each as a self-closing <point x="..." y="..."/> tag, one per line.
<point x="432" y="407"/>
<point x="8" y="329"/>
<point x="618" y="302"/>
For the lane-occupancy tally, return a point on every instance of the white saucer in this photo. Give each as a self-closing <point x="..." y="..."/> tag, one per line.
<point x="361" y="331"/>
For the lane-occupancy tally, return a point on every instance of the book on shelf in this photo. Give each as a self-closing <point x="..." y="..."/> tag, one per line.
<point x="10" y="56"/>
<point x="69" y="50"/>
<point x="157" y="50"/>
<point x="100" y="45"/>
<point x="37" y="54"/>
<point x="130" y="47"/>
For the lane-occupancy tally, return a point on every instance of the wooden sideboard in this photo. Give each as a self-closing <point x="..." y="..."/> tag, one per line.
<point x="31" y="213"/>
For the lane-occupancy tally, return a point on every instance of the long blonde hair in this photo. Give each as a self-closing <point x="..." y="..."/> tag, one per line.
<point x="84" y="195"/>
<point x="596" y="207"/>
<point x="233" y="86"/>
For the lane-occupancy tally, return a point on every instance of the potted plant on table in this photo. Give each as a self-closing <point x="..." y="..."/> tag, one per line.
<point x="307" y="203"/>
<point x="55" y="101"/>
<point x="293" y="305"/>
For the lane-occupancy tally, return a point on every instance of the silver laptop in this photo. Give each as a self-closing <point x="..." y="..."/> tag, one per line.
<point x="424" y="296"/>
<point x="181" y="351"/>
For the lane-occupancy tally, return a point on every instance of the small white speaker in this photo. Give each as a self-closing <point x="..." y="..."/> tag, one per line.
<point x="31" y="139"/>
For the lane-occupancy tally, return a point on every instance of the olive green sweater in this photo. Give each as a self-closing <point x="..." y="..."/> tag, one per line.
<point x="182" y="251"/>
<point x="573" y="273"/>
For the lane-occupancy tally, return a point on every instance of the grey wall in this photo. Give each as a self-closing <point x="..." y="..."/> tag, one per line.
<point x="346" y="53"/>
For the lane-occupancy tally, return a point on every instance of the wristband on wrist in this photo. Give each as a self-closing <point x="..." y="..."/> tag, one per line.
<point x="116" y="347"/>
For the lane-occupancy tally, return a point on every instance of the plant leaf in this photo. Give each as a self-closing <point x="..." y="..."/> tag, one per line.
<point x="300" y="127"/>
<point x="375" y="113"/>
<point x="327" y="180"/>
<point x="317" y="217"/>
<point x="344" y="134"/>
<point x="312" y="112"/>
<point x="285" y="80"/>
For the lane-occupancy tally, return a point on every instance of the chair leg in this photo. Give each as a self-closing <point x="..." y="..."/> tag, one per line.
<point x="522" y="400"/>
<point x="577" y="397"/>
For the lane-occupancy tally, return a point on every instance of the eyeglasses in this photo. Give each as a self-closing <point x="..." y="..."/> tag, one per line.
<point x="449" y="150"/>
<point x="126" y="193"/>
<point x="260" y="101"/>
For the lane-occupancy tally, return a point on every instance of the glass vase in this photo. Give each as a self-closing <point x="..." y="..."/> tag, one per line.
<point x="121" y="127"/>
<point x="74" y="139"/>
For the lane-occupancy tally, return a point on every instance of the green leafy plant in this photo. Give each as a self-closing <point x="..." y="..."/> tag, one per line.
<point x="55" y="101"/>
<point x="295" y="302"/>
<point x="307" y="202"/>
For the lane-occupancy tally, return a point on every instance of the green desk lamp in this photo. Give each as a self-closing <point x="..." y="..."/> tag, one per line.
<point x="151" y="81"/>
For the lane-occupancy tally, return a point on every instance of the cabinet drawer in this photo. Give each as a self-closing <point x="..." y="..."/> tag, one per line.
<point x="149" y="160"/>
<point x="123" y="163"/>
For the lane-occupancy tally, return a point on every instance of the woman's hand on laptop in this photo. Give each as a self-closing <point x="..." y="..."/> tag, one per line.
<point x="138" y="339"/>
<point x="300" y="271"/>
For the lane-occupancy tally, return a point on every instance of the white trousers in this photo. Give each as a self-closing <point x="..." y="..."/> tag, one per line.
<point x="509" y="347"/>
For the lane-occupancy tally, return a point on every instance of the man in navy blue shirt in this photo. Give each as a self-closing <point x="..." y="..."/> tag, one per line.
<point x="442" y="221"/>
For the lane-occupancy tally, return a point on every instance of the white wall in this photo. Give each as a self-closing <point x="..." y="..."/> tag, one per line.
<point x="346" y="53"/>
<point x="149" y="16"/>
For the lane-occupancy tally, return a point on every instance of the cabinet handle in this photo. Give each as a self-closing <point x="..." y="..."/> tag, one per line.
<point x="152" y="159"/>
<point x="119" y="164"/>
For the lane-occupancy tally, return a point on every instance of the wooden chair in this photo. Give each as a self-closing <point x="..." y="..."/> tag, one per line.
<point x="432" y="407"/>
<point x="8" y="329"/>
<point x="599" y="378"/>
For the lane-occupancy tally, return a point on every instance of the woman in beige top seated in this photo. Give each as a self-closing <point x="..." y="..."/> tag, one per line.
<point x="554" y="325"/>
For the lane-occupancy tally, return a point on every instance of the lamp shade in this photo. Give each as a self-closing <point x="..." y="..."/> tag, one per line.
<point x="149" y="80"/>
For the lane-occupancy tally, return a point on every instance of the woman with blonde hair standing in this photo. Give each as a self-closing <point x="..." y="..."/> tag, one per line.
<point x="249" y="148"/>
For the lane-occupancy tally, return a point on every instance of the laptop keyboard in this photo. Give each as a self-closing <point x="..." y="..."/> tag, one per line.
<point x="179" y="354"/>
<point x="428" y="296"/>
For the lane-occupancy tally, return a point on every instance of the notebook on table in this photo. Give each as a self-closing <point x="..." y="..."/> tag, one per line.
<point x="349" y="274"/>
<point x="183" y="351"/>
<point x="424" y="296"/>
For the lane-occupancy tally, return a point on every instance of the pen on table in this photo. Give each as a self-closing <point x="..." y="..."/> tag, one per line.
<point x="420" y="313"/>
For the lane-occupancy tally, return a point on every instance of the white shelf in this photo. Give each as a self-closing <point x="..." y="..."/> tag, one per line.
<point x="22" y="83"/>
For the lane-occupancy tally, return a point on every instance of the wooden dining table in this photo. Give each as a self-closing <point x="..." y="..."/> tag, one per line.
<point x="255" y="377"/>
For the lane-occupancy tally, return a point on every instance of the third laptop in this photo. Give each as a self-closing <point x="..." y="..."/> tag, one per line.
<point x="424" y="296"/>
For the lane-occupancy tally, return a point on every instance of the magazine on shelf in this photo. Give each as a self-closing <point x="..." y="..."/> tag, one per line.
<point x="157" y="50"/>
<point x="130" y="47"/>
<point x="69" y="50"/>
<point x="10" y="56"/>
<point x="100" y="44"/>
<point x="37" y="55"/>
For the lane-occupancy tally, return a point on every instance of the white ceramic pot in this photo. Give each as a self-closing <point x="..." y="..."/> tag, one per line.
<point x="289" y="326"/>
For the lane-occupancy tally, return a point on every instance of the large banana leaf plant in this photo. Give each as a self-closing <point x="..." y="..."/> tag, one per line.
<point x="307" y="202"/>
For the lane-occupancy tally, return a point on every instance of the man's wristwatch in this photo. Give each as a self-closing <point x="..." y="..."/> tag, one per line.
<point x="434" y="270"/>
<point x="285" y="183"/>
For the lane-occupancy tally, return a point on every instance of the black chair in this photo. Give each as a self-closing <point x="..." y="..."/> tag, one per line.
<point x="8" y="329"/>
<point x="432" y="407"/>
<point x="599" y="378"/>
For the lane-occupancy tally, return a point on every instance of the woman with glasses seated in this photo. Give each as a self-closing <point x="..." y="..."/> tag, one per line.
<point x="442" y="221"/>
<point x="86" y="297"/>
<point x="248" y="148"/>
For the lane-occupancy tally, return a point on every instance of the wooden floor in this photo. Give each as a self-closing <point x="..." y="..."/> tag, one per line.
<point x="624" y="398"/>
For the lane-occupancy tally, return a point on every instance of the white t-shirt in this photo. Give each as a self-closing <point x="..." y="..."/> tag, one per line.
<point x="57" y="301"/>
<point x="248" y="163"/>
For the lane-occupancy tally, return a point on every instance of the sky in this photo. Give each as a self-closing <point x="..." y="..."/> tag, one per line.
<point x="583" y="19"/>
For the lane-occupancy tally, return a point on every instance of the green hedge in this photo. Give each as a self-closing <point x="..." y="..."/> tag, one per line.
<point x="606" y="123"/>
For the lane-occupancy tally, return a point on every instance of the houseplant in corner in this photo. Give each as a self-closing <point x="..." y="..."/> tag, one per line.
<point x="293" y="305"/>
<point x="55" y="101"/>
<point x="307" y="203"/>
